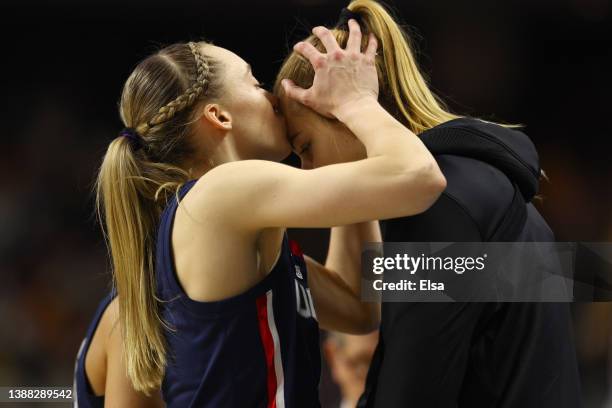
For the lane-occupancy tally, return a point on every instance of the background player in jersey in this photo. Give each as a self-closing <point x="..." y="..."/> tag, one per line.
<point x="212" y="296"/>
<point x="100" y="366"/>
<point x="445" y="354"/>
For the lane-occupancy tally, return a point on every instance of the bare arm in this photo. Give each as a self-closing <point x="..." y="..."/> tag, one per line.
<point x="336" y="288"/>
<point x="345" y="246"/>
<point x="119" y="391"/>
<point x="337" y="306"/>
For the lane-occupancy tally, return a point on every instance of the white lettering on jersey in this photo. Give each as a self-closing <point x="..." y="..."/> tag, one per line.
<point x="305" y="305"/>
<point x="298" y="272"/>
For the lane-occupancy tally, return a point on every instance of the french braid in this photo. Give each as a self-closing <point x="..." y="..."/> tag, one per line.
<point x="185" y="100"/>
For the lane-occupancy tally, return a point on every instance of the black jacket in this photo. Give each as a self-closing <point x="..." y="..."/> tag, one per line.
<point x="475" y="355"/>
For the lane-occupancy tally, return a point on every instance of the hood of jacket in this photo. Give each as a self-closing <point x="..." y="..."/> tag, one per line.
<point x="509" y="150"/>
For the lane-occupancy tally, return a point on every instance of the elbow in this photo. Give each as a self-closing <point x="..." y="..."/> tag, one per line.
<point x="370" y="319"/>
<point x="437" y="182"/>
<point x="432" y="184"/>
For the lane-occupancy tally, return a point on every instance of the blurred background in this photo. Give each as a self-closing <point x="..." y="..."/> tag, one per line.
<point x="543" y="63"/>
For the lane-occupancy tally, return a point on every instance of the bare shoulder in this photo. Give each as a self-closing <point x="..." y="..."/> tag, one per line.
<point x="225" y="192"/>
<point x="110" y="323"/>
<point x="96" y="357"/>
<point x="118" y="390"/>
<point x="227" y="175"/>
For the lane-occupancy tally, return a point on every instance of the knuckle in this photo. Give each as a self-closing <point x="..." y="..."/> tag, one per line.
<point x="337" y="55"/>
<point x="319" y="61"/>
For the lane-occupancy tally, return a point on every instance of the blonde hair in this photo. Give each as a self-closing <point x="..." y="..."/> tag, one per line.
<point x="133" y="184"/>
<point x="403" y="90"/>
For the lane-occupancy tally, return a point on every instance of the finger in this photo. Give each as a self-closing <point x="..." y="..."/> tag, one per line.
<point x="354" y="41"/>
<point x="327" y="39"/>
<point x="372" y="47"/>
<point x="309" y="52"/>
<point x="293" y="91"/>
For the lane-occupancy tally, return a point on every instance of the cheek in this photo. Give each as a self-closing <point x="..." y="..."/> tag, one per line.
<point x="263" y="103"/>
<point x="269" y="119"/>
<point x="252" y="105"/>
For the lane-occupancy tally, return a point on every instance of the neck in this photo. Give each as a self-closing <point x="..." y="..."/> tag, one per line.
<point x="214" y="155"/>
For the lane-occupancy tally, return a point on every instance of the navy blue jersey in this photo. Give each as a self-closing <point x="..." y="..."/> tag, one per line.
<point x="256" y="349"/>
<point x="83" y="395"/>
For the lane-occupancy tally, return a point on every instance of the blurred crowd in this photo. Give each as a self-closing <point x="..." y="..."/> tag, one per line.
<point x="541" y="64"/>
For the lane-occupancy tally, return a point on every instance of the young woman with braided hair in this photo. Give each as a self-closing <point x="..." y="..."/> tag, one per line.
<point x="100" y="368"/>
<point x="216" y="306"/>
<point x="455" y="354"/>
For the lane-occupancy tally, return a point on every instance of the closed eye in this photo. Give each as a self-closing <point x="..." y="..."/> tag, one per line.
<point x="305" y="147"/>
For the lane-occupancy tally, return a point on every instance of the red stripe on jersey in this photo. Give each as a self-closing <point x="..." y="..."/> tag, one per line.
<point x="268" y="345"/>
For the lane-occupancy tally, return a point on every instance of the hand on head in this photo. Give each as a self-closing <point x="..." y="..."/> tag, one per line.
<point x="342" y="76"/>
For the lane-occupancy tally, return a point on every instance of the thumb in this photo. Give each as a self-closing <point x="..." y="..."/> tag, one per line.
<point x="295" y="92"/>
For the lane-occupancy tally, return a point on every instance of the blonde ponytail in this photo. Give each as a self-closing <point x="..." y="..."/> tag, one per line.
<point x="406" y="91"/>
<point x="134" y="184"/>
<point x="403" y="92"/>
<point x="130" y="221"/>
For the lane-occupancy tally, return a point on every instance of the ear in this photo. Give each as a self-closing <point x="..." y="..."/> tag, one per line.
<point x="217" y="117"/>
